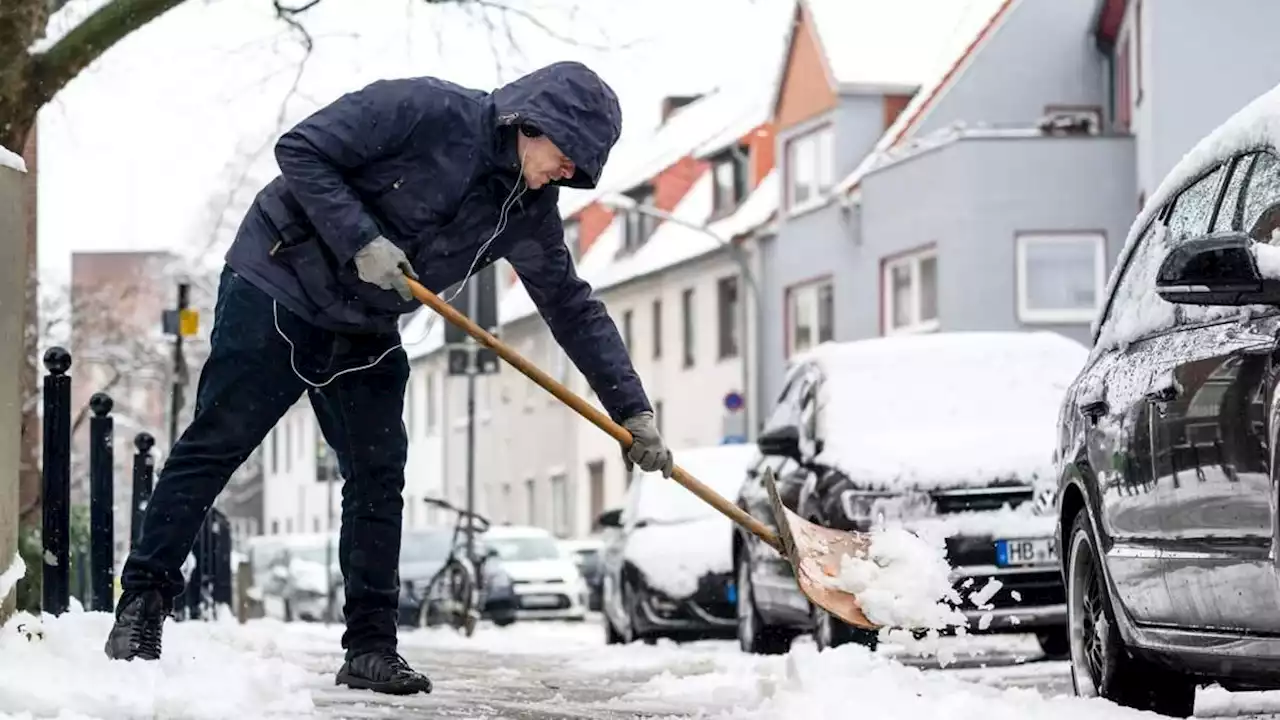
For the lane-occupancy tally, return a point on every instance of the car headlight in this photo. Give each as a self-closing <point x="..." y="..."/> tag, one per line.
<point x="867" y="508"/>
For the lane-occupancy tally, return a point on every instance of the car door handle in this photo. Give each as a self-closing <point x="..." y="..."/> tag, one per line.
<point x="1165" y="392"/>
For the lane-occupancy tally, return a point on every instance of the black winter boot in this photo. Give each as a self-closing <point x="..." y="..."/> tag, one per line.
<point x="382" y="671"/>
<point x="139" y="625"/>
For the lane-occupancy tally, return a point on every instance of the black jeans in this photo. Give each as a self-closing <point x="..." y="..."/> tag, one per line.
<point x="245" y="387"/>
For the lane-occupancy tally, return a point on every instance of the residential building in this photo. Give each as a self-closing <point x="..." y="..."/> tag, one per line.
<point x="997" y="196"/>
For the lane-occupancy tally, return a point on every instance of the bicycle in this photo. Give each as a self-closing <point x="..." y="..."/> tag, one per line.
<point x="453" y="595"/>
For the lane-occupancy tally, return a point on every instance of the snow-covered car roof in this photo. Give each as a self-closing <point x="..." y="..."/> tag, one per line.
<point x="499" y="532"/>
<point x="723" y="468"/>
<point x="944" y="409"/>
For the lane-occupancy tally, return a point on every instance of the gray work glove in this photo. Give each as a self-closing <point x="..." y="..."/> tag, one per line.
<point x="647" y="448"/>
<point x="383" y="264"/>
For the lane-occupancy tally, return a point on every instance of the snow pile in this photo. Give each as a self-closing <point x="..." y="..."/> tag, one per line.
<point x="944" y="410"/>
<point x="826" y="685"/>
<point x="9" y="578"/>
<point x="208" y="670"/>
<point x="1268" y="259"/>
<point x="903" y="582"/>
<point x="683" y="537"/>
<point x="11" y="159"/>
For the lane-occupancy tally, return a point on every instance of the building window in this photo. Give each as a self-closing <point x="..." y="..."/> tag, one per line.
<point x="274" y="439"/>
<point x="560" y="520"/>
<point x="326" y="461"/>
<point x="1122" y="103"/>
<point x="727" y="314"/>
<point x="686" y="316"/>
<point x="627" y="316"/>
<point x="657" y="329"/>
<point x="657" y="415"/>
<point x="573" y="239"/>
<point x="810" y="167"/>
<point x="639" y="225"/>
<point x="911" y="293"/>
<point x="729" y="171"/>
<point x="275" y="527"/>
<point x="1061" y="277"/>
<point x="810" y="315"/>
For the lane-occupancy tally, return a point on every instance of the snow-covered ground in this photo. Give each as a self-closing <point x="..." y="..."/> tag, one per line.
<point x="269" y="669"/>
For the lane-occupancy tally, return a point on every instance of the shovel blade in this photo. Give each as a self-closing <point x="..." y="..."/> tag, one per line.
<point x="815" y="553"/>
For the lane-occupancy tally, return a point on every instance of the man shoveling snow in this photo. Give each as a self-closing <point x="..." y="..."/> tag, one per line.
<point x="416" y="176"/>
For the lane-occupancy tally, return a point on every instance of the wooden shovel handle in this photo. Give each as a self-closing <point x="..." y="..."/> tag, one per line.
<point x="583" y="408"/>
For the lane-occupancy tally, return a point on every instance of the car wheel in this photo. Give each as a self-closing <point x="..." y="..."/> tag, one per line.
<point x="754" y="636"/>
<point x="1054" y="643"/>
<point x="630" y="607"/>
<point x="831" y="632"/>
<point x="1101" y="666"/>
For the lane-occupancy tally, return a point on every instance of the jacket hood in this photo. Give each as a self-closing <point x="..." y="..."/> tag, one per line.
<point x="574" y="107"/>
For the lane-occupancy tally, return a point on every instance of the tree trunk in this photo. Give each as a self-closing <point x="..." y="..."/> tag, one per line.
<point x="29" y="476"/>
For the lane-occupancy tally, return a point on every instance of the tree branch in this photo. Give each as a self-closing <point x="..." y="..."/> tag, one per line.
<point x="52" y="70"/>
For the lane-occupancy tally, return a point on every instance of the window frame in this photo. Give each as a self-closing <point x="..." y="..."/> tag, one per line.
<point x="914" y="258"/>
<point x="688" y="323"/>
<point x="792" y="295"/>
<point x="810" y="144"/>
<point x="728" y="342"/>
<point x="733" y="159"/>
<point x="637" y="226"/>
<point x="1058" y="316"/>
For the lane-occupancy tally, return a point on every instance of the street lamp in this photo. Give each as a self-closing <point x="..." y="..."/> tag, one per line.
<point x="627" y="205"/>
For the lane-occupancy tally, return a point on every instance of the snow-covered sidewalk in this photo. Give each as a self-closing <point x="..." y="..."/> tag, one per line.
<point x="267" y="669"/>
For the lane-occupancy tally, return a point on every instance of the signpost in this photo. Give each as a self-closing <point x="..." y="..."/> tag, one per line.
<point x="735" y="419"/>
<point x="478" y="301"/>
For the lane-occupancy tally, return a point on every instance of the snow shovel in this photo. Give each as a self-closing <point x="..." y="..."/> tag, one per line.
<point x="813" y="551"/>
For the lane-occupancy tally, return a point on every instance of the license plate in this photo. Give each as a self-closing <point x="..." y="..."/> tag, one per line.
<point x="540" y="601"/>
<point x="1025" y="551"/>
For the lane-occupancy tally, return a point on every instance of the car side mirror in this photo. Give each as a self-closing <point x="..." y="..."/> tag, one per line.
<point x="781" y="441"/>
<point x="610" y="518"/>
<point x="1220" y="269"/>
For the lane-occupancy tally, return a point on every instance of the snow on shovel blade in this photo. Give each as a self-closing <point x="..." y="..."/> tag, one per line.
<point x="815" y="553"/>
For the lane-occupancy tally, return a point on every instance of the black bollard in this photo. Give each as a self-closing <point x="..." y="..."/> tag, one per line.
<point x="56" y="481"/>
<point x="144" y="468"/>
<point x="101" y="499"/>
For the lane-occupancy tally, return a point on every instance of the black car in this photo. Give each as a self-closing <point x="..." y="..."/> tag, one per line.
<point x="1167" y="505"/>
<point x="423" y="553"/>
<point x="668" y="559"/>
<point x="948" y="434"/>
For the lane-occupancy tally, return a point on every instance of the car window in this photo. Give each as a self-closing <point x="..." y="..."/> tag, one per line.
<point x="1260" y="215"/>
<point x="1193" y="207"/>
<point x="1228" y="217"/>
<point x="1129" y="301"/>
<point x="786" y="411"/>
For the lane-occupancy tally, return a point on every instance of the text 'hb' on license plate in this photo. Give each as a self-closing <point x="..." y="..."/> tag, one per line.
<point x="1025" y="551"/>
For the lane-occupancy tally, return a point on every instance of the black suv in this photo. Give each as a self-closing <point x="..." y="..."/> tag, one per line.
<point x="1167" y="501"/>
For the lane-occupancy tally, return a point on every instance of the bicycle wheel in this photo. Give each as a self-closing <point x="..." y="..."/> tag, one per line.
<point x="448" y="598"/>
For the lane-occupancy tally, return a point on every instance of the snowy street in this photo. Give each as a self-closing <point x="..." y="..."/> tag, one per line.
<point x="536" y="671"/>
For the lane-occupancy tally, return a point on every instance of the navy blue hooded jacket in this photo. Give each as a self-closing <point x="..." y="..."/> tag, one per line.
<point x="428" y="164"/>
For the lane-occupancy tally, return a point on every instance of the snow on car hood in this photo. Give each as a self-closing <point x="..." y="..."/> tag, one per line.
<point x="944" y="410"/>
<point x="540" y="570"/>
<point x="673" y="557"/>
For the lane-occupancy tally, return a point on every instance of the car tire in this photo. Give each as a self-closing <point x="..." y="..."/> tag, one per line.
<point x="832" y="632"/>
<point x="1055" y="644"/>
<point x="1101" y="665"/>
<point x="754" y="636"/>
<point x="611" y="634"/>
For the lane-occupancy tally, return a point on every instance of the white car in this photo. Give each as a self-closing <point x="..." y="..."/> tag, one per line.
<point x="547" y="582"/>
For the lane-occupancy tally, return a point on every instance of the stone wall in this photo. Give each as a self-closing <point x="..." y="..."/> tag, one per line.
<point x="13" y="264"/>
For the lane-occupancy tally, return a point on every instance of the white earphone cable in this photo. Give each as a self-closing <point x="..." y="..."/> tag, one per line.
<point x="507" y="204"/>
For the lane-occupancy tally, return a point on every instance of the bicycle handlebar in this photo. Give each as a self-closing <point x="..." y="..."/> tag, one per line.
<point x="445" y="504"/>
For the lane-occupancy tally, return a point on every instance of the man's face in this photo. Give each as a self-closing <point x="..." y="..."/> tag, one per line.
<point x="543" y="162"/>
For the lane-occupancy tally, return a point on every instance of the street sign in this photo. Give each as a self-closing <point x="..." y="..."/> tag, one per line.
<point x="478" y="301"/>
<point x="733" y="401"/>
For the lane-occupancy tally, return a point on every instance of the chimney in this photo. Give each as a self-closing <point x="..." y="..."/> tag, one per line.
<point x="671" y="103"/>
